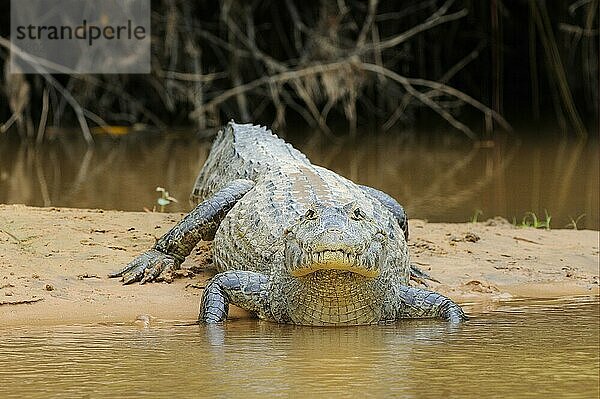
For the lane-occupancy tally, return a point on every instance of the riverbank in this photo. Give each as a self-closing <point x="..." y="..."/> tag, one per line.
<point x="54" y="263"/>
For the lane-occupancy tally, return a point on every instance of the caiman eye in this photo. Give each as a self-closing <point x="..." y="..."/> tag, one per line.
<point x="357" y="214"/>
<point x="310" y="214"/>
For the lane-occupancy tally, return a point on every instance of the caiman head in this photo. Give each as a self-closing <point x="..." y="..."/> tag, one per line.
<point x="341" y="261"/>
<point x="343" y="238"/>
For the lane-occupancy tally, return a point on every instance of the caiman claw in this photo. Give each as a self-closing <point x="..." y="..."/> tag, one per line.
<point x="152" y="265"/>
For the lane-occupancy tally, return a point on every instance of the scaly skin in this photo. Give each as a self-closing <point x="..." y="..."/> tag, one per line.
<point x="293" y="242"/>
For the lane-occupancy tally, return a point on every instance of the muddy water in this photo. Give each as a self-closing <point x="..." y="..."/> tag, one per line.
<point x="439" y="178"/>
<point x="521" y="349"/>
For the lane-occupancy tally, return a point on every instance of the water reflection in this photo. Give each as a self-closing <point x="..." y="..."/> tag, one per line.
<point x="437" y="178"/>
<point x="527" y="348"/>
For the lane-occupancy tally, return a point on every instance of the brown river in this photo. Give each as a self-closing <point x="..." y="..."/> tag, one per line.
<point x="522" y="348"/>
<point x="438" y="178"/>
<point x="527" y="348"/>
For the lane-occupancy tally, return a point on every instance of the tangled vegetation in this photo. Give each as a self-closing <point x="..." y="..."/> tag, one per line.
<point x="334" y="63"/>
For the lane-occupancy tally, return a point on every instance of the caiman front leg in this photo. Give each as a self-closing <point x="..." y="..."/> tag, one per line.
<point x="391" y="205"/>
<point x="420" y="303"/>
<point x="171" y="249"/>
<point x="245" y="289"/>
<point x="400" y="215"/>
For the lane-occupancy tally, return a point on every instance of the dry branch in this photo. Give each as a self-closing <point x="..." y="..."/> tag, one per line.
<point x="347" y="59"/>
<point x="38" y="64"/>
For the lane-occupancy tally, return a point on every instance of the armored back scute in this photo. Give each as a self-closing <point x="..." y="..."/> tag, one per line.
<point x="242" y="151"/>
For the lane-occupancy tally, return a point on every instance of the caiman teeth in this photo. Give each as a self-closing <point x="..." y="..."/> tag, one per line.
<point x="334" y="255"/>
<point x="335" y="260"/>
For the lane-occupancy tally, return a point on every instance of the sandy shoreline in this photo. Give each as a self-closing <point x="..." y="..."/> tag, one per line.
<point x="54" y="263"/>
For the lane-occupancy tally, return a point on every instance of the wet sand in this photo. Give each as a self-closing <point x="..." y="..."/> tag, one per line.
<point x="54" y="264"/>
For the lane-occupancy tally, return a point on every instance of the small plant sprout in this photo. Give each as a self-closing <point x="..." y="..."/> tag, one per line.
<point x="531" y="220"/>
<point x="164" y="199"/>
<point x="478" y="212"/>
<point x="573" y="223"/>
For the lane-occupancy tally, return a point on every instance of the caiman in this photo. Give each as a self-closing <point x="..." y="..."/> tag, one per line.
<point x="292" y="242"/>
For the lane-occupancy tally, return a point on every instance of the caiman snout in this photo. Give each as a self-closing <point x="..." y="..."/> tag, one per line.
<point x="334" y="238"/>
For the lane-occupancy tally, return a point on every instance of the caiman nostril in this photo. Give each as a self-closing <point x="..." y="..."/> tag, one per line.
<point x="334" y="235"/>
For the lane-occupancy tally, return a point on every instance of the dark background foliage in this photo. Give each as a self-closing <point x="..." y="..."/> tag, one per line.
<point x="336" y="65"/>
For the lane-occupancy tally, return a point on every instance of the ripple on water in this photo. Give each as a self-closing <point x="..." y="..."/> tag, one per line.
<point x="524" y="348"/>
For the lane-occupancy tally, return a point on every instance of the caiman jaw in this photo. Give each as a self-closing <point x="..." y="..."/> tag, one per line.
<point x="334" y="260"/>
